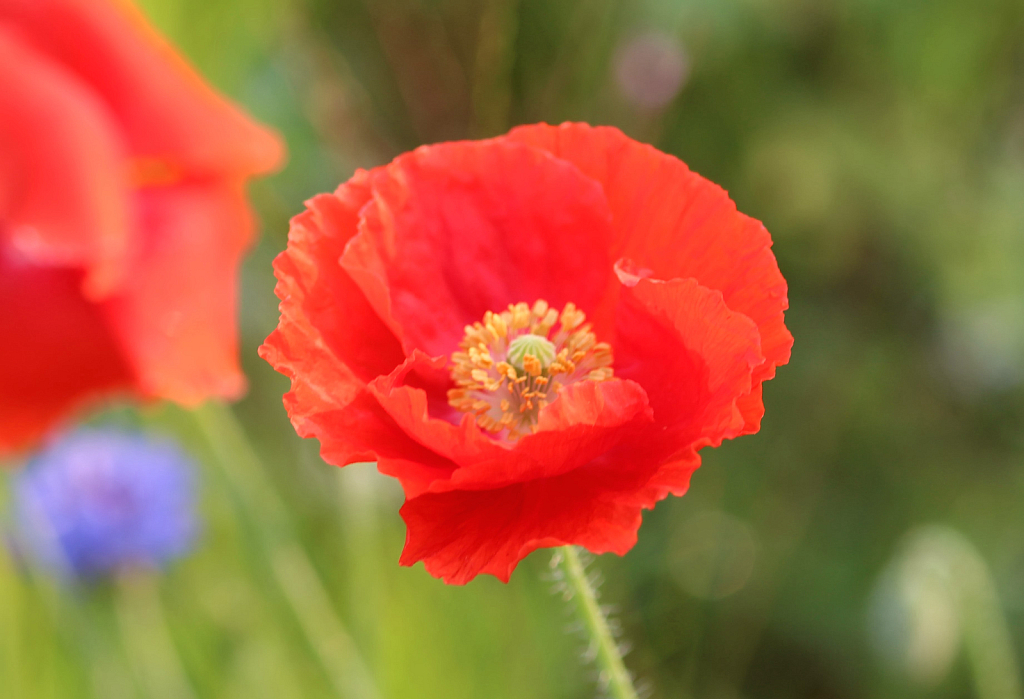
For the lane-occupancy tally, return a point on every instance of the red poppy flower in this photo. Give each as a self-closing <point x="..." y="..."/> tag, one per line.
<point x="122" y="215"/>
<point x="534" y="334"/>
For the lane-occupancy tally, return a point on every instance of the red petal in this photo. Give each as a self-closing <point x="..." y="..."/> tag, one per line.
<point x="671" y="478"/>
<point x="463" y="533"/>
<point x="458" y="229"/>
<point x="164" y="108"/>
<point x="585" y="422"/>
<point x="691" y="353"/>
<point x="352" y="426"/>
<point x="176" y="313"/>
<point x="460" y="534"/>
<point x="57" y="350"/>
<point x="63" y="199"/>
<point x="330" y="343"/>
<point x="679" y="225"/>
<point x="323" y="312"/>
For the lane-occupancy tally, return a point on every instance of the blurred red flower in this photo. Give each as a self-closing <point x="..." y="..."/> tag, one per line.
<point x="432" y="320"/>
<point x="122" y="215"/>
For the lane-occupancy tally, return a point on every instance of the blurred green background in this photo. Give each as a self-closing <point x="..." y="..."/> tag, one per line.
<point x="881" y="142"/>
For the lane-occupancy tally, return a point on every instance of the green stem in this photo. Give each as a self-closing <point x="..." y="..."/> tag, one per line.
<point x="293" y="571"/>
<point x="147" y="638"/>
<point x="12" y="610"/>
<point x="76" y="621"/>
<point x="613" y="671"/>
<point x="357" y="511"/>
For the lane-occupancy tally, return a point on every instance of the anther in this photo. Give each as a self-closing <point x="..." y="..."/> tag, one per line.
<point x="511" y="365"/>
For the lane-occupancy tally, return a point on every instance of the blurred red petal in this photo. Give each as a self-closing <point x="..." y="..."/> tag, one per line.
<point x="176" y="313"/>
<point x="58" y="352"/>
<point x="63" y="198"/>
<point x="165" y="109"/>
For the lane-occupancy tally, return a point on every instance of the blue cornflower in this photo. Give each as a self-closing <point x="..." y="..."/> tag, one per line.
<point x="101" y="500"/>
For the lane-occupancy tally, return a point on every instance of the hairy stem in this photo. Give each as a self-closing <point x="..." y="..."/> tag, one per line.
<point x="608" y="656"/>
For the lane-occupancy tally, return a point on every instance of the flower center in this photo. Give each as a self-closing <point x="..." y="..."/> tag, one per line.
<point x="515" y="362"/>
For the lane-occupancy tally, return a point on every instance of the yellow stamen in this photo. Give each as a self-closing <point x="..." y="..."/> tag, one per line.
<point x="515" y="362"/>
